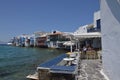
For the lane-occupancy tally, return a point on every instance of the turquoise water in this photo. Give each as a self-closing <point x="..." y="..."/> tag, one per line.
<point x="17" y="62"/>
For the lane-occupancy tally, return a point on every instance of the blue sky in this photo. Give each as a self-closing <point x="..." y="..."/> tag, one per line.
<point x="27" y="16"/>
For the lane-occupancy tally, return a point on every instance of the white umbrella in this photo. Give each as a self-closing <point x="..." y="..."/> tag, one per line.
<point x="68" y="43"/>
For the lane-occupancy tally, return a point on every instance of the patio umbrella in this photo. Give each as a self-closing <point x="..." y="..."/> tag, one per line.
<point x="68" y="53"/>
<point x="69" y="43"/>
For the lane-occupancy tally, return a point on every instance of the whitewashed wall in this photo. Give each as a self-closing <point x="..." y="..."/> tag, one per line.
<point x="110" y="21"/>
<point x="81" y="29"/>
<point x="96" y="17"/>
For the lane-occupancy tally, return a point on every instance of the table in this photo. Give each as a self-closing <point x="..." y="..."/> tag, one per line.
<point x="69" y="60"/>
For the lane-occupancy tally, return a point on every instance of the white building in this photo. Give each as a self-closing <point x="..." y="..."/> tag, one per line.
<point x="81" y="29"/>
<point x="95" y="27"/>
<point x="91" y="32"/>
<point x="110" y="25"/>
<point x="96" y="18"/>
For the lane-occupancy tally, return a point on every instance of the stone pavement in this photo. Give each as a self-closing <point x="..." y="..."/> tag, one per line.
<point x="90" y="70"/>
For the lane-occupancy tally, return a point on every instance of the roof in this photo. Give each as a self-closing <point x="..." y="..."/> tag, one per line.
<point x="57" y="33"/>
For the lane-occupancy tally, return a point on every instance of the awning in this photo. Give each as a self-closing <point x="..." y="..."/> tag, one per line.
<point x="88" y="35"/>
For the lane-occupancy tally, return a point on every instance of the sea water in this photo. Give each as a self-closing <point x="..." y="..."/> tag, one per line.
<point x="17" y="62"/>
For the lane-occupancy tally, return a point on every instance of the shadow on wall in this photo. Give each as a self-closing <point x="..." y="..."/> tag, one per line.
<point x="115" y="9"/>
